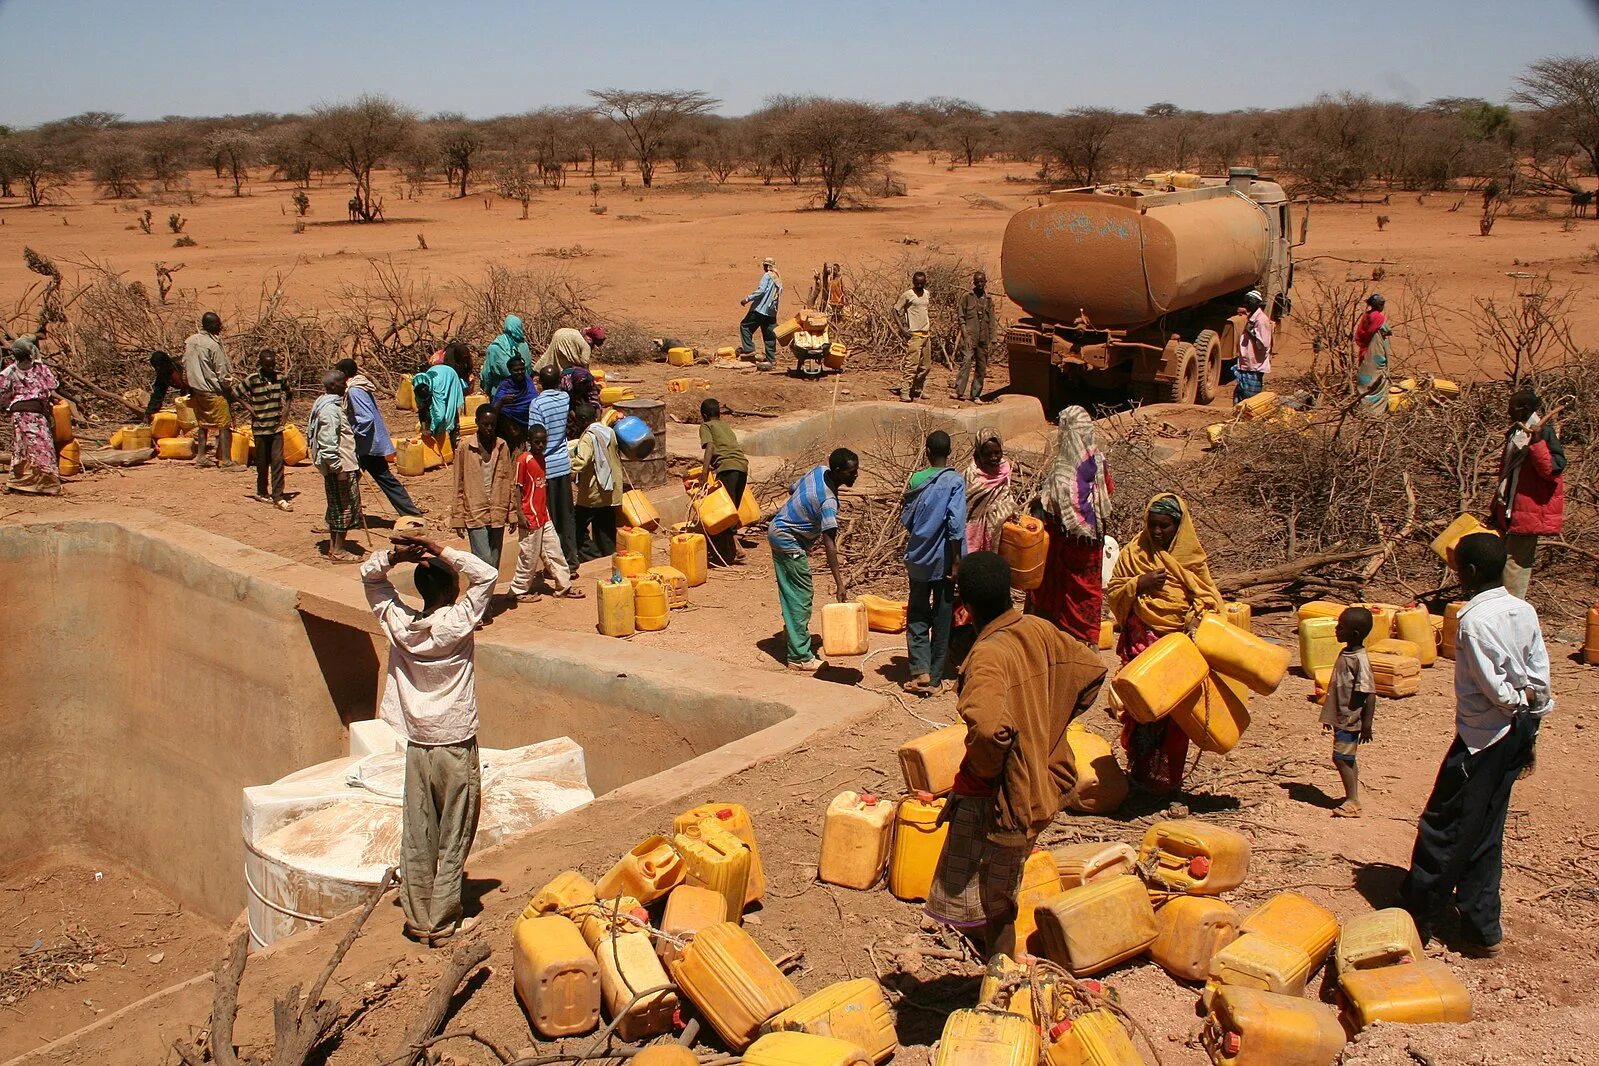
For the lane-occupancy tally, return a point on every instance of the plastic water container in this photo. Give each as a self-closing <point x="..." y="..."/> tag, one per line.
<point x="856" y="1011"/>
<point x="987" y="1038"/>
<point x="1160" y="677"/>
<point x="555" y="975"/>
<point x="804" y="1049"/>
<point x="1216" y="715"/>
<point x="1443" y="545"/>
<point x="650" y="610"/>
<point x="1083" y="864"/>
<point x="688" y="554"/>
<point x="614" y="601"/>
<point x="1398" y="648"/>
<point x="675" y="582"/>
<point x="1024" y="543"/>
<point x="405" y="394"/>
<point x="1415" y="625"/>
<point x="628" y="966"/>
<point x="614" y="394"/>
<point x="1008" y="985"/>
<point x="735" y="818"/>
<point x="1092" y="1039"/>
<point x="1255" y="961"/>
<point x="716" y="511"/>
<point x="1422" y="992"/>
<point x="621" y="914"/>
<point x="137" y="438"/>
<point x="1590" y="645"/>
<point x="296" y="451"/>
<point x="1107" y="634"/>
<point x="185" y="412"/>
<point x="175" y="448"/>
<point x="408" y="459"/>
<point x="61" y="422"/>
<point x="668" y="1054"/>
<point x="844" y="629"/>
<point x="1241" y="655"/>
<point x="69" y="459"/>
<point x="638" y="511"/>
<point x="164" y="425"/>
<point x="241" y="443"/>
<point x="1446" y="640"/>
<point x="648" y="872"/>
<point x="1376" y="939"/>
<point x="629" y="563"/>
<point x="633" y="539"/>
<point x="1240" y="615"/>
<point x="1382" y="621"/>
<point x="1289" y="918"/>
<point x="884" y="615"/>
<point x="929" y="763"/>
<point x="634" y="437"/>
<point x="689" y="908"/>
<point x="565" y="893"/>
<point x="680" y="357"/>
<point x="1093" y="927"/>
<point x="1195" y="857"/>
<point x="1101" y="784"/>
<point x="733" y="984"/>
<point x="717" y="860"/>
<point x="918" y="842"/>
<point x="1259" y="406"/>
<point x="749" y="508"/>
<point x="1040" y="883"/>
<point x="1321" y="609"/>
<point x="1246" y="1027"/>
<point x="856" y="832"/>
<point x="1318" y="644"/>
<point x="1190" y="931"/>
<point x="727" y="351"/>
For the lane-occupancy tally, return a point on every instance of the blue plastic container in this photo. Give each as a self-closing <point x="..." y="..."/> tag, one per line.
<point x="634" y="437"/>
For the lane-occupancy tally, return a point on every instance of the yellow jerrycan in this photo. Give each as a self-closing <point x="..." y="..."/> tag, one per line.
<point x="1417" y="993"/>
<point x="1160" y="677"/>
<point x="614" y="601"/>
<point x="1085" y="863"/>
<point x="1101" y="784"/>
<point x="929" y="763"/>
<point x="1378" y="938"/>
<point x="918" y="842"/>
<point x="856" y="832"/>
<point x="1191" y="930"/>
<point x="735" y="818"/>
<point x="1092" y="1039"/>
<point x="689" y="555"/>
<point x="716" y="859"/>
<point x="803" y="1049"/>
<point x="1290" y="918"/>
<point x="1093" y="927"/>
<point x="856" y="1011"/>
<point x="634" y="539"/>
<point x="987" y="1038"/>
<point x="566" y="893"/>
<point x="735" y="986"/>
<point x="1241" y="655"/>
<point x="845" y="629"/>
<point x="555" y="976"/>
<point x="1252" y="961"/>
<point x="1040" y="883"/>
<point x="689" y="908"/>
<point x="1246" y="1027"/>
<point x="648" y="872"/>
<point x="1195" y="857"/>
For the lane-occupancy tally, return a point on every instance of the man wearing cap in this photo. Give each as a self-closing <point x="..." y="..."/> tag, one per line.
<point x="975" y="310"/>
<point x="569" y="347"/>
<point x="1254" y="349"/>
<point x="762" y="315"/>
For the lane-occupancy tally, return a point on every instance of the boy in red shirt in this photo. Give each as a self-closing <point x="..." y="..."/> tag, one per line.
<point x="539" y="554"/>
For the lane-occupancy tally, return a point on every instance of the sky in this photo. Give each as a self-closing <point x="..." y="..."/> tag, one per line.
<point x="494" y="57"/>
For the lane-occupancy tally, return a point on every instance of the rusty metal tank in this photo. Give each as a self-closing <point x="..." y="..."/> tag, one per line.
<point x="1125" y="258"/>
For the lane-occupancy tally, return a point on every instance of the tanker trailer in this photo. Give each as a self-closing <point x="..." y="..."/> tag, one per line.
<point x="1136" y="291"/>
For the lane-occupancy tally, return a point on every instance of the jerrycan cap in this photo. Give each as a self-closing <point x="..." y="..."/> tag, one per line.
<point x="726" y="813"/>
<point x="1231" y="1044"/>
<point x="1199" y="866"/>
<point x="922" y="795"/>
<point x="869" y="799"/>
<point x="1060" y="1029"/>
<point x="1094" y="987"/>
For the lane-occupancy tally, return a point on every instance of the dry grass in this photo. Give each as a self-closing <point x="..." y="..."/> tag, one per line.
<point x="75" y="954"/>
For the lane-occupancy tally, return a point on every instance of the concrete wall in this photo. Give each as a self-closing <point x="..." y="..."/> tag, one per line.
<point x="153" y="671"/>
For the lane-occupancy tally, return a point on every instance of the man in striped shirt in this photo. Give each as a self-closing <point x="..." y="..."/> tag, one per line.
<point x="811" y="514"/>
<point x="549" y="409"/>
<point x="267" y="396"/>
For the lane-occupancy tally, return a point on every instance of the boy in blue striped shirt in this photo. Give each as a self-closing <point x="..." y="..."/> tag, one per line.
<point x="810" y="515"/>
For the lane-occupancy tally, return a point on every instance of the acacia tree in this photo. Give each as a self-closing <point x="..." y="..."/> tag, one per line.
<point x="1564" y="91"/>
<point x="235" y="152"/>
<point x="459" y="145"/>
<point x="1080" y="142"/>
<point x="967" y="131"/>
<point x="844" y="141"/>
<point x="116" y="166"/>
<point x="649" y="118"/>
<point x="360" y="137"/>
<point x="38" y="164"/>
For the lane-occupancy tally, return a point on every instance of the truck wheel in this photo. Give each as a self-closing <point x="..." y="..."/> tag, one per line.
<point x="1208" y="348"/>
<point x="1184" y="386"/>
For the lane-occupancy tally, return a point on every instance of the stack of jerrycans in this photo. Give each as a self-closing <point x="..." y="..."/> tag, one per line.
<point x="1280" y="944"/>
<point x="1383" y="975"/>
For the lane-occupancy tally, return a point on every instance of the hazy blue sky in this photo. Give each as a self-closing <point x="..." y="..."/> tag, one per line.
<point x="212" y="57"/>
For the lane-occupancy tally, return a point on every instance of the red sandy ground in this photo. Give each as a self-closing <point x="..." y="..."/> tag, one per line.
<point x="682" y="270"/>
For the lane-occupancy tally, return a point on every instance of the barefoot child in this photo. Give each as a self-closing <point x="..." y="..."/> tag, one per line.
<point x="539" y="553"/>
<point x="1351" y="703"/>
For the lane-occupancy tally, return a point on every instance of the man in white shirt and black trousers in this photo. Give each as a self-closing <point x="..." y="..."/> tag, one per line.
<point x="430" y="698"/>
<point x="1502" y="694"/>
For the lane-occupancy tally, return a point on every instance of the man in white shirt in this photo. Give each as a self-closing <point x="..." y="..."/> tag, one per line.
<point x="430" y="698"/>
<point x="916" y="321"/>
<point x="1502" y="693"/>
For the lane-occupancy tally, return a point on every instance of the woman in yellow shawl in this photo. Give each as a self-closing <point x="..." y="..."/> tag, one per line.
<point x="1161" y="584"/>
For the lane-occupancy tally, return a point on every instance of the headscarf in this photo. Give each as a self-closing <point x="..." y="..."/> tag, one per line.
<point x="594" y="335"/>
<point x="25" y="347"/>
<point x="1189" y="590"/>
<point x="1074" y="491"/>
<point x="989" y="500"/>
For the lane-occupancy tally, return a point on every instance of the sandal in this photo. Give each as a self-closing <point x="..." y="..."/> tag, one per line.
<point x="1347" y="810"/>
<point x="284" y="505"/>
<point x="528" y="597"/>
<point x="573" y="593"/>
<point x="343" y="557"/>
<point x="918" y="686"/>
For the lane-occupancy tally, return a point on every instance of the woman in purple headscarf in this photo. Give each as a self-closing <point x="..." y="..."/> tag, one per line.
<point x="579" y="384"/>
<point x="1074" y="504"/>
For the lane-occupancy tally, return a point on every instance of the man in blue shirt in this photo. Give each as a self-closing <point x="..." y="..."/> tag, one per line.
<point x="372" y="444"/>
<point x="549" y="409"/>
<point x="762" y="315"/>
<point x="934" y="515"/>
<point x="811" y="514"/>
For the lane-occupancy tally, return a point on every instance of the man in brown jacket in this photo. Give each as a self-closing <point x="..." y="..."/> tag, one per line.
<point x="485" y="485"/>
<point x="1021" y="685"/>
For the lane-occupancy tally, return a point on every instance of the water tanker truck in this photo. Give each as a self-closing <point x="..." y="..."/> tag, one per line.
<point x="1136" y="291"/>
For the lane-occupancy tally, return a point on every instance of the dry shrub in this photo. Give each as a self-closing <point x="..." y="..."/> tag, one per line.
<point x="870" y="327"/>
<point x="545" y="300"/>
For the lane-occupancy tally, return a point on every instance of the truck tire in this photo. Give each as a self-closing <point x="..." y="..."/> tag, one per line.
<point x="1208" y="347"/>
<point x="1184" y="385"/>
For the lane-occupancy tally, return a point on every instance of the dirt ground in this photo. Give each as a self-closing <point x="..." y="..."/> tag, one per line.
<point x="678" y="259"/>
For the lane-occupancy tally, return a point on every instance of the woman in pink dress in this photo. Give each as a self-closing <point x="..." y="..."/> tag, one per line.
<point x="26" y="389"/>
